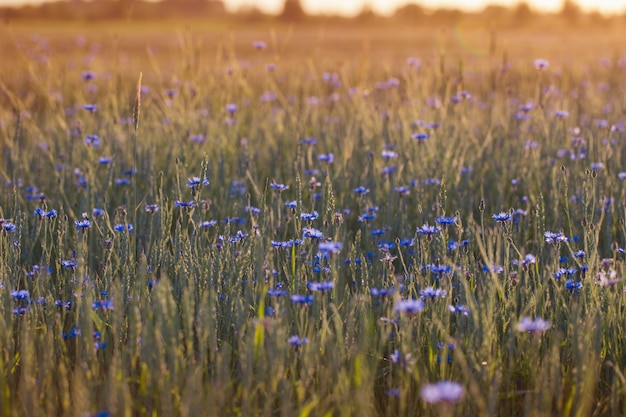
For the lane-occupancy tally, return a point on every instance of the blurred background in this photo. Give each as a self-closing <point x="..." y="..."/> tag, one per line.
<point x="424" y="12"/>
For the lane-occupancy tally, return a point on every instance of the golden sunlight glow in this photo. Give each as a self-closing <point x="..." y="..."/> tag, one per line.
<point x="352" y="7"/>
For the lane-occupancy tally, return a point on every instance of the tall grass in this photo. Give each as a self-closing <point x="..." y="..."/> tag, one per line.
<point x="179" y="316"/>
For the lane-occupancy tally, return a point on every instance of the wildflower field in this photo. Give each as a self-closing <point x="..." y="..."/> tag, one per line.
<point x="311" y="222"/>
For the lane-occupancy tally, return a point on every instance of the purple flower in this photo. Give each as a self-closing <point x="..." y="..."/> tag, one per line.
<point x="529" y="325"/>
<point x="442" y="391"/>
<point x="541" y="64"/>
<point x="297" y="342"/>
<point x="432" y="293"/>
<point x="409" y="307"/>
<point x="330" y="247"/>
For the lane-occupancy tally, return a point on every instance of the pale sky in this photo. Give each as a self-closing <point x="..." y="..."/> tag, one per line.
<point x="351" y="7"/>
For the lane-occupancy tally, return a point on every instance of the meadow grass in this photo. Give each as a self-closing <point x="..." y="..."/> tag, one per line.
<point x="465" y="193"/>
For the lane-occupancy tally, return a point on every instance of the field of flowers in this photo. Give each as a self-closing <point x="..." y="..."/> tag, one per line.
<point x="294" y="224"/>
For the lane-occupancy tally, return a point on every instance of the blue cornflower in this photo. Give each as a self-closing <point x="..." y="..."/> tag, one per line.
<point x="459" y="309"/>
<point x="402" y="190"/>
<point x="496" y="269"/>
<point x="82" y="224"/>
<point x="431" y="181"/>
<point x="386" y="245"/>
<point x="232" y="108"/>
<point x="420" y="137"/>
<point x="309" y="216"/>
<point x="320" y="286"/>
<point x="277" y="292"/>
<point x="383" y="292"/>
<point x="529" y="325"/>
<point x="361" y="190"/>
<point x="279" y="187"/>
<point x="73" y="333"/>
<point x="297" y="342"/>
<point x="91" y="108"/>
<point x="123" y="228"/>
<point x="432" y="293"/>
<point x="51" y="214"/>
<point x="292" y="204"/>
<point x="193" y="182"/>
<point x="312" y="233"/>
<point x="69" y="263"/>
<point x="378" y="232"/>
<point x="366" y="217"/>
<point x="185" y="204"/>
<point x="207" y="224"/>
<point x="105" y="160"/>
<point x="561" y="114"/>
<point x="301" y="299"/>
<point x="234" y="220"/>
<point x="409" y="307"/>
<point x="93" y="140"/>
<point x="308" y="141"/>
<point x="503" y="216"/>
<point x="389" y="170"/>
<point x="102" y="305"/>
<point x="579" y="254"/>
<point x="39" y="212"/>
<point x="281" y="244"/>
<point x="252" y="210"/>
<point x="330" y="247"/>
<point x="388" y="154"/>
<point x="443" y="220"/>
<point x="573" y="286"/>
<point x="8" y="226"/>
<point x="121" y="181"/>
<point x="554" y="237"/>
<point x="328" y="158"/>
<point x="407" y="242"/>
<point x="438" y="269"/>
<point x="239" y="237"/>
<point x="20" y="294"/>
<point x="428" y="230"/>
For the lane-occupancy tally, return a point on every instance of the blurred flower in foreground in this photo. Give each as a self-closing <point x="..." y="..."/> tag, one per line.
<point x="541" y="64"/>
<point x="442" y="392"/>
<point x="607" y="279"/>
<point x="409" y="307"/>
<point x="529" y="325"/>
